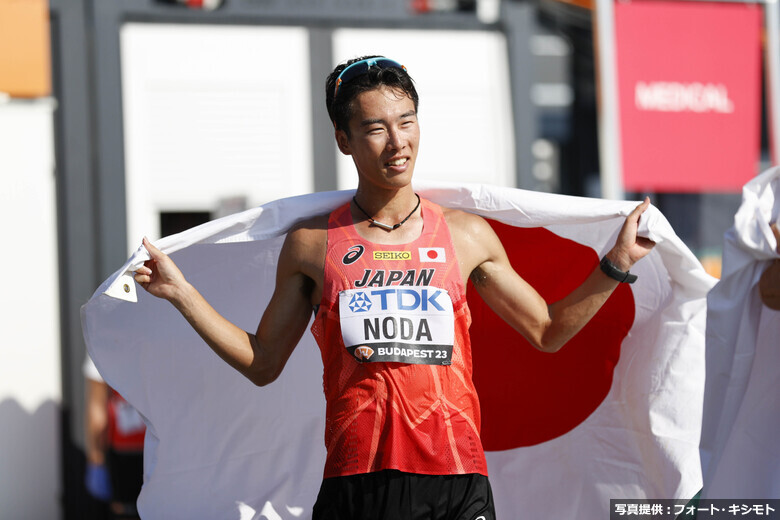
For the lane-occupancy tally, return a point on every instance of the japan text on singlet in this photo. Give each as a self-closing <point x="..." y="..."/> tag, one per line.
<point x="393" y="332"/>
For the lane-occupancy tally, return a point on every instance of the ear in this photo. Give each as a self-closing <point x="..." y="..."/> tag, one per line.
<point x="343" y="142"/>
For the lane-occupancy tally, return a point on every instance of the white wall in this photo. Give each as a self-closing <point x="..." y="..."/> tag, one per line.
<point x="30" y="378"/>
<point x="213" y="112"/>
<point x="465" y="113"/>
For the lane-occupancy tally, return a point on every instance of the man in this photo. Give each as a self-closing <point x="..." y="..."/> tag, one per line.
<point x="386" y="276"/>
<point x="114" y="438"/>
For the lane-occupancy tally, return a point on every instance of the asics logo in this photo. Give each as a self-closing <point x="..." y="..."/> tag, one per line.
<point x="353" y="253"/>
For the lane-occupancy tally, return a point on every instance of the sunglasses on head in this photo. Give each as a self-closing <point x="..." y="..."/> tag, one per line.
<point x="361" y="67"/>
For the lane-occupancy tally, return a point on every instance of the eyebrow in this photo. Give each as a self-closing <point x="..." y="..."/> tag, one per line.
<point x="367" y="122"/>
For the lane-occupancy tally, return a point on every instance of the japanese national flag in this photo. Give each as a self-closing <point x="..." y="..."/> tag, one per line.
<point x="432" y="254"/>
<point x="739" y="443"/>
<point x="616" y="414"/>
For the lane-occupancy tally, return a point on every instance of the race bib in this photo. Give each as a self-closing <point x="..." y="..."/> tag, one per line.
<point x="401" y="324"/>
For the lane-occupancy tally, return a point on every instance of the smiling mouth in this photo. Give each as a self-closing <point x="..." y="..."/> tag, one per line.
<point x="397" y="162"/>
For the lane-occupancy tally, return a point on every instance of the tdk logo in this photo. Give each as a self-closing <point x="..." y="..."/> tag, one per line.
<point x="406" y="299"/>
<point x="359" y="303"/>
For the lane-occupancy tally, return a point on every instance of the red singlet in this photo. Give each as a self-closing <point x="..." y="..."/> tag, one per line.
<point x="393" y="332"/>
<point x="126" y="429"/>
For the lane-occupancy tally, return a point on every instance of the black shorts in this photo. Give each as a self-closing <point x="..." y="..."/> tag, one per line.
<point x="394" y="495"/>
<point x="127" y="475"/>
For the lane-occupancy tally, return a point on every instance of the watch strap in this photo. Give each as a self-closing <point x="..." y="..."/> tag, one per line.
<point x="613" y="272"/>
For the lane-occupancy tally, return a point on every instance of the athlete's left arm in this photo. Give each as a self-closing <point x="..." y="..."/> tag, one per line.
<point x="548" y="328"/>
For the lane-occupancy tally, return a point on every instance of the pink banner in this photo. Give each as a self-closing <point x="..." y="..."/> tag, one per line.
<point x="689" y="83"/>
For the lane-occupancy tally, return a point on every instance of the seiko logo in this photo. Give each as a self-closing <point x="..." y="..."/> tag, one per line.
<point x="353" y="253"/>
<point x="672" y="96"/>
<point x="392" y="255"/>
<point x="364" y="352"/>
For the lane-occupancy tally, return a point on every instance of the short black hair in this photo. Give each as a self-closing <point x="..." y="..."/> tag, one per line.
<point x="340" y="106"/>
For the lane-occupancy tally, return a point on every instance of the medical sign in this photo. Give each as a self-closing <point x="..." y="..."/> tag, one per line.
<point x="689" y="84"/>
<point x="401" y="324"/>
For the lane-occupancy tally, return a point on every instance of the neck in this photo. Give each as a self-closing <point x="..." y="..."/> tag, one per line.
<point x="388" y="206"/>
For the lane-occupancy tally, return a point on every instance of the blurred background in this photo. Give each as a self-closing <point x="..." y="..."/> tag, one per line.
<point x="125" y="118"/>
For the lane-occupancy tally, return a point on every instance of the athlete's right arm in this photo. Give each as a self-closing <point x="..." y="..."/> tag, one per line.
<point x="260" y="356"/>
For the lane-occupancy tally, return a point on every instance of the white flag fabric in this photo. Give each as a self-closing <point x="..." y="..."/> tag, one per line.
<point x="219" y="448"/>
<point x="740" y="444"/>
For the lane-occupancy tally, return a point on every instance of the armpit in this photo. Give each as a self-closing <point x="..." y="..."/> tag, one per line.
<point x="478" y="277"/>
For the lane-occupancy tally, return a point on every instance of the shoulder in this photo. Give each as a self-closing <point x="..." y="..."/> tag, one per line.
<point x="306" y="243"/>
<point x="474" y="240"/>
<point x="311" y="229"/>
<point x="464" y="224"/>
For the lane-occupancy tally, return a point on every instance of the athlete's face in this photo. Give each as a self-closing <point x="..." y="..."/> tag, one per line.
<point x="384" y="137"/>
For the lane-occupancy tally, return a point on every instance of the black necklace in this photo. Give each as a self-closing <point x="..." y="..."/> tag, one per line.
<point x="388" y="227"/>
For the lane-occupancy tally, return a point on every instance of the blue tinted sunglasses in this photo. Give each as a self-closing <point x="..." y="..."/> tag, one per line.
<point x="361" y="67"/>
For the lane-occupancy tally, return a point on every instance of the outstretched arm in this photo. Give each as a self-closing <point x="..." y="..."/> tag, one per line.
<point x="769" y="284"/>
<point x="548" y="328"/>
<point x="260" y="356"/>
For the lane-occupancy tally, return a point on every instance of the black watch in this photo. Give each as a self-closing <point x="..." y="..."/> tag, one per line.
<point x="613" y="272"/>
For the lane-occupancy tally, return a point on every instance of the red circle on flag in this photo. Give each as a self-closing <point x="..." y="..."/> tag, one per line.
<point x="432" y="254"/>
<point x="529" y="397"/>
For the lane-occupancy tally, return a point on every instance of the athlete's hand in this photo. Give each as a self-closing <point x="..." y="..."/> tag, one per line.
<point x="629" y="247"/>
<point x="769" y="284"/>
<point x="159" y="275"/>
